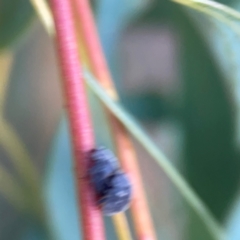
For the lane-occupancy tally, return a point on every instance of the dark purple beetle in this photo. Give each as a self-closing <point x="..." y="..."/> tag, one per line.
<point x="110" y="182"/>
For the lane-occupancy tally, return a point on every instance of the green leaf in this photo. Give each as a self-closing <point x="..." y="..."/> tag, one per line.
<point x="214" y="131"/>
<point x="60" y="189"/>
<point x="211" y="161"/>
<point x="211" y="8"/>
<point x="15" y="17"/>
<point x="148" y="106"/>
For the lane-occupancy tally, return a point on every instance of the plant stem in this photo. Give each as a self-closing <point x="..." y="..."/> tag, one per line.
<point x="121" y="226"/>
<point x="90" y="39"/>
<point x="79" y="118"/>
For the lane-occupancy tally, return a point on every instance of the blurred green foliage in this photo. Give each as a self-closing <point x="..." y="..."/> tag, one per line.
<point x="149" y="106"/>
<point x="211" y="160"/>
<point x="15" y="17"/>
<point x="207" y="113"/>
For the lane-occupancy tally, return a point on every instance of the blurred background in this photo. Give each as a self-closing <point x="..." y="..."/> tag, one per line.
<point x="177" y="72"/>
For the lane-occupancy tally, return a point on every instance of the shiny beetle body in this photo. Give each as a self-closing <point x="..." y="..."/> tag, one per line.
<point x="111" y="184"/>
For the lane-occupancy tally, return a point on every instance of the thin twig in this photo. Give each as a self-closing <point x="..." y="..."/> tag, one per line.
<point x="79" y="118"/>
<point x="121" y="226"/>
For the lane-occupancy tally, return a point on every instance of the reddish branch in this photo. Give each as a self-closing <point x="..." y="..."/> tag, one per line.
<point x="92" y="45"/>
<point x="139" y="208"/>
<point x="78" y="114"/>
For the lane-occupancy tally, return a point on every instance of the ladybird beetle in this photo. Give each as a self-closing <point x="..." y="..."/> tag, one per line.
<point x="111" y="184"/>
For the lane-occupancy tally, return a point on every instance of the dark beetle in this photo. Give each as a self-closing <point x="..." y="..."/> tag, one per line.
<point x="111" y="184"/>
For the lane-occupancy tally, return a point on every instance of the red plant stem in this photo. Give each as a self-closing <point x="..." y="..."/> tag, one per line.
<point x="139" y="208"/>
<point x="79" y="117"/>
<point x="97" y="61"/>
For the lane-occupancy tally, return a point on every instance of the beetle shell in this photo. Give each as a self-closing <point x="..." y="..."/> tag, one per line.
<point x="111" y="184"/>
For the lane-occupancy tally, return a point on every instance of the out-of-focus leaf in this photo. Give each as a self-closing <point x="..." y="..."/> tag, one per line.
<point x="216" y="10"/>
<point x="223" y="40"/>
<point x="15" y="16"/>
<point x="233" y="221"/>
<point x="112" y="16"/>
<point x="227" y="2"/>
<point x="34" y="231"/>
<point x="225" y="48"/>
<point x="209" y="125"/>
<point x="211" y="161"/>
<point x="147" y="106"/>
<point x="60" y="187"/>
